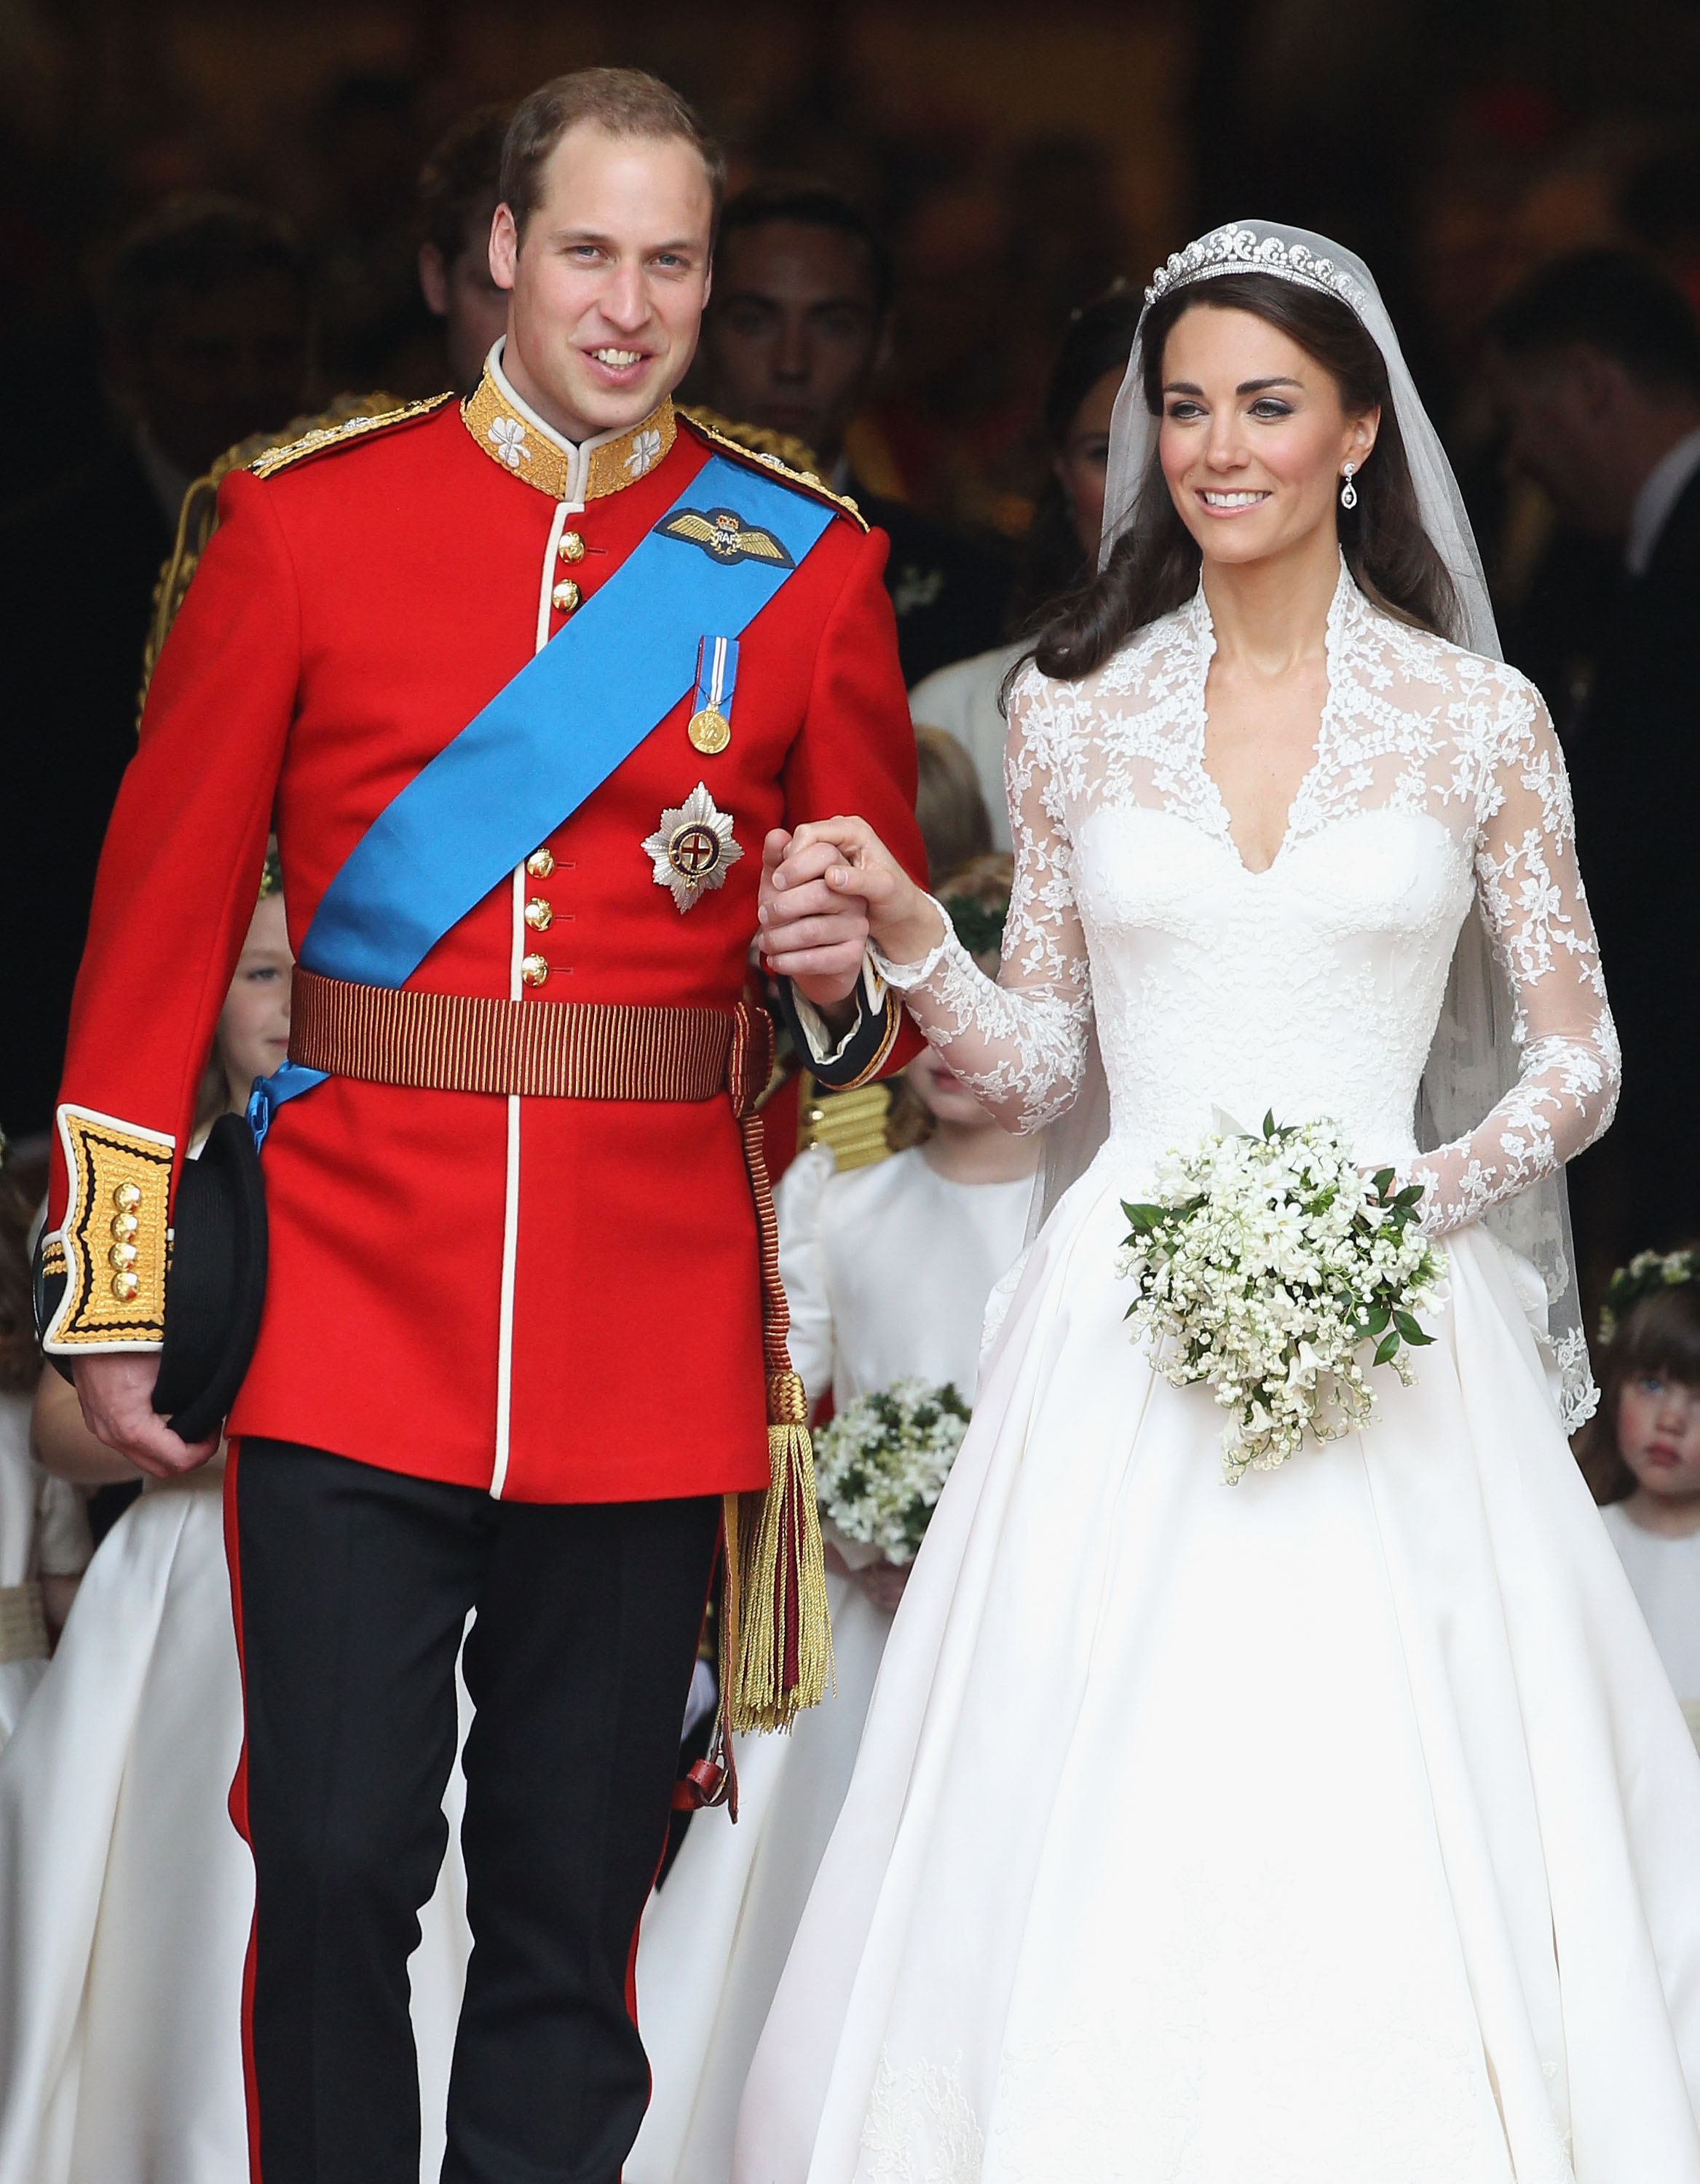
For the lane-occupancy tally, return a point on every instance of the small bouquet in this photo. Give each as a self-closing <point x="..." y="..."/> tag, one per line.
<point x="1264" y="1267"/>
<point x="881" y="1463"/>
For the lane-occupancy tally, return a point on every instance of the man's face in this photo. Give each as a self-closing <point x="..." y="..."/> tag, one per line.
<point x="795" y="332"/>
<point x="474" y="310"/>
<point x="1552" y="410"/>
<point x="215" y="366"/>
<point x="607" y="285"/>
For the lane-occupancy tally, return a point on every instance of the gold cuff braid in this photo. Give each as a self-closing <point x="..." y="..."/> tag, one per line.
<point x="115" y="1235"/>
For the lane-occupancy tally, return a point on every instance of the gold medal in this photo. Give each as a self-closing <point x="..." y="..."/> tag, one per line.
<point x="710" y="730"/>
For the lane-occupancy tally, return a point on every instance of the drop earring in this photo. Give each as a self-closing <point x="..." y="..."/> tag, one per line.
<point x="1348" y="491"/>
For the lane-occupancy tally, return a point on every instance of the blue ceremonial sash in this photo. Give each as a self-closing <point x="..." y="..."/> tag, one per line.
<point x="551" y="736"/>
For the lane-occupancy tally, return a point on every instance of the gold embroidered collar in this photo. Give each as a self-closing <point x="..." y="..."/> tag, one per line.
<point x="515" y="437"/>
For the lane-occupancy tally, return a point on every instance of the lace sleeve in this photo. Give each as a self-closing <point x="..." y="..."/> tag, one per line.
<point x="1018" y="1042"/>
<point x="1536" y="915"/>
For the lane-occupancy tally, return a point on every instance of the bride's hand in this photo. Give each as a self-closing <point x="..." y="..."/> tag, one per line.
<point x="817" y="882"/>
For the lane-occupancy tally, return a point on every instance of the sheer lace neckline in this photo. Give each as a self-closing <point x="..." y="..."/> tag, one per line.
<point x="1210" y="806"/>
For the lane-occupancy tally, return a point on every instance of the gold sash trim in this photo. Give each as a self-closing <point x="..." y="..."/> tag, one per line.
<point x="23" y="1627"/>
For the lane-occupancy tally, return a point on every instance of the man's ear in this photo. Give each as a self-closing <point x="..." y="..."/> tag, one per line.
<point x="504" y="248"/>
<point x="433" y="280"/>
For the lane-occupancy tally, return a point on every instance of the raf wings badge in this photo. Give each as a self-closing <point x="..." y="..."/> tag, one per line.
<point x="692" y="848"/>
<point x="724" y="535"/>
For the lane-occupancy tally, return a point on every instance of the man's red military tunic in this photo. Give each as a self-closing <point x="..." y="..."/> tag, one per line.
<point x="555" y="1299"/>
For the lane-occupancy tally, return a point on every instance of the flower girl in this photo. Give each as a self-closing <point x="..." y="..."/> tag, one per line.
<point x="125" y="1893"/>
<point x="888" y="1269"/>
<point x="1640" y="1451"/>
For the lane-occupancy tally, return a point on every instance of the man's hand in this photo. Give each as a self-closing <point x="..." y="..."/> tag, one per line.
<point x="824" y="890"/>
<point x="116" y="1392"/>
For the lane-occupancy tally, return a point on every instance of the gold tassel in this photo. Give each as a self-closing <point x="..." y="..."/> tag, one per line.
<point x="782" y="1643"/>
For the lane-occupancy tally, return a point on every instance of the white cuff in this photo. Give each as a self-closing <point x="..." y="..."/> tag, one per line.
<point x="903" y="976"/>
<point x="869" y="995"/>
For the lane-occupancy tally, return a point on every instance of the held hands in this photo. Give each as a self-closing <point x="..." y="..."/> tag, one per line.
<point x="116" y="1392"/>
<point x="826" y="890"/>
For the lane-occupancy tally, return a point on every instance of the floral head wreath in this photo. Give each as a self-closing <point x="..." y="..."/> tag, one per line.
<point x="1648" y="1273"/>
<point x="979" y="926"/>
<point x="271" y="872"/>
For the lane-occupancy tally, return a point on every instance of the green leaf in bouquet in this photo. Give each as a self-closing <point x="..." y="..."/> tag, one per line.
<point x="1270" y="1124"/>
<point x="1410" y="1194"/>
<point x="1388" y="1348"/>
<point x="1142" y="1218"/>
<point x="1377" y="1317"/>
<point x="1412" y="1329"/>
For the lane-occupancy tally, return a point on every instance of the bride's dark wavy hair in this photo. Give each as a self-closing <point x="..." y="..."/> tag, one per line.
<point x="1155" y="570"/>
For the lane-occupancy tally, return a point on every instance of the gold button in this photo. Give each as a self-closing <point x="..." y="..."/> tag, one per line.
<point x="127" y="1197"/>
<point x="565" y="595"/>
<point x="540" y="864"/>
<point x="121" y="1255"/>
<point x="571" y="546"/>
<point x="126" y="1287"/>
<point x="123" y="1226"/>
<point x="539" y="915"/>
<point x="534" y="969"/>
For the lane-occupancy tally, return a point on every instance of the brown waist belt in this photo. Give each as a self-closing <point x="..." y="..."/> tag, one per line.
<point x="540" y="1050"/>
<point x="776" y="1642"/>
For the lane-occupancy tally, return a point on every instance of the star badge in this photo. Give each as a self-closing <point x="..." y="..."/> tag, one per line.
<point x="692" y="848"/>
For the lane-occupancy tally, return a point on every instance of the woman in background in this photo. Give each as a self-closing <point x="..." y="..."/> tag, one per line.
<point x="967" y="698"/>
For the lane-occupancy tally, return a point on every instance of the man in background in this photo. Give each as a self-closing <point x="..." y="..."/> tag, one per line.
<point x="1595" y="366"/>
<point x="205" y="324"/>
<point x="459" y="190"/>
<point x="798" y="328"/>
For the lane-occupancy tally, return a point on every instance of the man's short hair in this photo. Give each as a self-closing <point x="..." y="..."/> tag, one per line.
<point x="813" y="204"/>
<point x="201" y="243"/>
<point x="623" y="102"/>
<point x="1614" y="301"/>
<point x="461" y="179"/>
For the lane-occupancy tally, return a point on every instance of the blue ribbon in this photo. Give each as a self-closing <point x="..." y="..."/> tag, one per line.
<point x="545" y="742"/>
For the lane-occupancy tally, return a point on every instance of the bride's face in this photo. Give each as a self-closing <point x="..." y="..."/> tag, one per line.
<point x="1253" y="440"/>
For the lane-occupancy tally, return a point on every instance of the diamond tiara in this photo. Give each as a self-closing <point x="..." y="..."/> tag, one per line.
<point x="1233" y="249"/>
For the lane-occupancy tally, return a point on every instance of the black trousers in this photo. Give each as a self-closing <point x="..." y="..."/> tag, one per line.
<point x="355" y="1585"/>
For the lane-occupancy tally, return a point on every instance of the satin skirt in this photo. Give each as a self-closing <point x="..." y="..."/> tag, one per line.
<point x="1337" y="1825"/>
<point x="125" y="1893"/>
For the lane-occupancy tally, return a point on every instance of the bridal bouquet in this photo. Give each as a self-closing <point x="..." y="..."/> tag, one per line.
<point x="1265" y="1265"/>
<point x="881" y="1463"/>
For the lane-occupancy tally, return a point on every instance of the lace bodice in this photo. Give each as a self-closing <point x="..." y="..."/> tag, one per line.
<point x="1311" y="987"/>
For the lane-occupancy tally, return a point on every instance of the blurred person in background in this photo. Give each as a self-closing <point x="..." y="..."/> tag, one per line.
<point x="459" y="190"/>
<point x="949" y="803"/>
<point x="1595" y="366"/>
<point x="206" y="337"/>
<point x="374" y="329"/>
<point x="798" y="329"/>
<point x="966" y="698"/>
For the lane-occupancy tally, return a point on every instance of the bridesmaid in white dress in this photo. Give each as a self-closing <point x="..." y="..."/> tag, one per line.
<point x="887" y="1269"/>
<point x="1641" y="1453"/>
<point x="125" y="1893"/>
<point x="1339" y="1825"/>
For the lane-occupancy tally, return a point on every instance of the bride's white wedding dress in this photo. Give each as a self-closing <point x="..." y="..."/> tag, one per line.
<point x="1336" y="1828"/>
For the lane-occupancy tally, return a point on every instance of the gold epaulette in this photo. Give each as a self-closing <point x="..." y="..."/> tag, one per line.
<point x="322" y="437"/>
<point x="776" y="453"/>
<point x="198" y="517"/>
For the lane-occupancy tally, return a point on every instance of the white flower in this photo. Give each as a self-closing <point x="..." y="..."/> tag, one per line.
<point x="509" y="436"/>
<point x="646" y="448"/>
<point x="882" y="1462"/>
<point x="1262" y="1267"/>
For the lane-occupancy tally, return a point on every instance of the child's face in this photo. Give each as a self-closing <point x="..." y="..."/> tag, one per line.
<point x="253" y="1024"/>
<point x="944" y="1094"/>
<point x="1658" y="1433"/>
